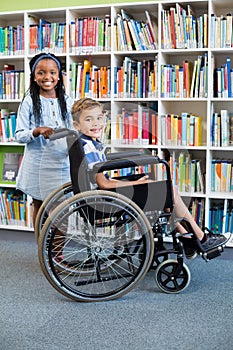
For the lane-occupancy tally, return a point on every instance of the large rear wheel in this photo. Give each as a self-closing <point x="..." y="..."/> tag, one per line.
<point x="96" y="246"/>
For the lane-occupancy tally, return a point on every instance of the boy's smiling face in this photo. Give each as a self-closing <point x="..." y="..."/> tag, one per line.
<point x="91" y="122"/>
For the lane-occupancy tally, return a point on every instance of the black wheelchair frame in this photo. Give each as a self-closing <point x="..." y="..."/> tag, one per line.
<point x="96" y="245"/>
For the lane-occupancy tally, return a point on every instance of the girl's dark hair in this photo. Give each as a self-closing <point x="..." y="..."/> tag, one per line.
<point x="34" y="88"/>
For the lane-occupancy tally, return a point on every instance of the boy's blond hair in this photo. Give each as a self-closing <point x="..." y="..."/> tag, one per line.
<point x="83" y="104"/>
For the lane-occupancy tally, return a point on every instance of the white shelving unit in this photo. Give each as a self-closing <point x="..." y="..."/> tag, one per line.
<point x="200" y="106"/>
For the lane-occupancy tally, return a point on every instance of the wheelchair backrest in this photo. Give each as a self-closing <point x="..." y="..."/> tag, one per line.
<point x="79" y="174"/>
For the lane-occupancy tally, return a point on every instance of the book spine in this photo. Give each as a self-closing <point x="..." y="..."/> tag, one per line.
<point x="224" y="127"/>
<point x="145" y="126"/>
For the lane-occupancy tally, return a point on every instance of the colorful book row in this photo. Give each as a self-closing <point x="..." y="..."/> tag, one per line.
<point x="12" y="40"/>
<point x="221" y="217"/>
<point x="221" y="175"/>
<point x="90" y="34"/>
<point x="188" y="80"/>
<point x="136" y="79"/>
<point x="136" y="126"/>
<point x="197" y="209"/>
<point x="7" y="125"/>
<point x="223" y="80"/>
<point x="46" y="36"/>
<point x="127" y="172"/>
<point x="181" y="130"/>
<point x="131" y="34"/>
<point x="222" y="129"/>
<point x="181" y="29"/>
<point x="12" y="84"/>
<point x="15" y="209"/>
<point x="187" y="173"/>
<point x="221" y="31"/>
<point x="88" y="80"/>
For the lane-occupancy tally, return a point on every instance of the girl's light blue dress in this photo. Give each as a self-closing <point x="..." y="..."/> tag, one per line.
<point x="45" y="164"/>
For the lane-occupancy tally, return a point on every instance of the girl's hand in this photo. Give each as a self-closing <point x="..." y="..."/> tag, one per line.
<point x="44" y="131"/>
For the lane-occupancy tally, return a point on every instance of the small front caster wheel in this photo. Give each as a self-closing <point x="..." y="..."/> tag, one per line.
<point x="172" y="277"/>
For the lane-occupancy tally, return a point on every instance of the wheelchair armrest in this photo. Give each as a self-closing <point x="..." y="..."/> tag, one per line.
<point x="130" y="162"/>
<point x="119" y="155"/>
<point x="122" y="163"/>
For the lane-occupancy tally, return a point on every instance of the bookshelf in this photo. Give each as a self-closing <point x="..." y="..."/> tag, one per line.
<point x="168" y="79"/>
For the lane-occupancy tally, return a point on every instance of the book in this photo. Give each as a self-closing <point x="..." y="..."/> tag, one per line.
<point x="224" y="118"/>
<point x="107" y="33"/>
<point x="224" y="173"/>
<point x="200" y="180"/>
<point x="125" y="14"/>
<point x="154" y="128"/>
<point x="192" y="87"/>
<point x="197" y="131"/>
<point x="172" y="25"/>
<point x="228" y="29"/>
<point x="145" y="126"/>
<point x="86" y="69"/>
<point x="184" y="117"/>
<point x="228" y="77"/>
<point x="11" y="164"/>
<point x="128" y="37"/>
<point x="188" y="69"/>
<point x="230" y="129"/>
<point x="197" y="79"/>
<point x="152" y="26"/>
<point x="135" y="126"/>
<point x="122" y="43"/>
<point x="134" y="34"/>
<point x="217" y="175"/>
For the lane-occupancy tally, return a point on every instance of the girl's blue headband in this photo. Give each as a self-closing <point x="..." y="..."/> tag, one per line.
<point x="44" y="56"/>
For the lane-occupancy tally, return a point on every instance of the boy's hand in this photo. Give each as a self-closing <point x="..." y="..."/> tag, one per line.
<point x="143" y="178"/>
<point x="44" y="131"/>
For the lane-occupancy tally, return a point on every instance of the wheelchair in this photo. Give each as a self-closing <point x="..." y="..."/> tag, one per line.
<point x="97" y="245"/>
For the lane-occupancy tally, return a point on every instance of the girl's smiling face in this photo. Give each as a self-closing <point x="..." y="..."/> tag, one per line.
<point x="91" y="122"/>
<point x="46" y="76"/>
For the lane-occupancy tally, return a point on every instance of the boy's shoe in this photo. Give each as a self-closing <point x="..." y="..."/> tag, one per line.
<point x="212" y="241"/>
<point x="215" y="240"/>
<point x="190" y="253"/>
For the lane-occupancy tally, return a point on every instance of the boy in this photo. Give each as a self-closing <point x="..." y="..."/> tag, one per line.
<point x="88" y="119"/>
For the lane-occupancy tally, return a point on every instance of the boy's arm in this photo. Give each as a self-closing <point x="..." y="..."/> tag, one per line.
<point x="106" y="184"/>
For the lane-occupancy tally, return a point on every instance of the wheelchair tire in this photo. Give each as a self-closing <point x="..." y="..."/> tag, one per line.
<point x="107" y="246"/>
<point x="51" y="201"/>
<point x="171" y="278"/>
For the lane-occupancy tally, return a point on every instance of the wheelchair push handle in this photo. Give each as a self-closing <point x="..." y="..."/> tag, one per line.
<point x="62" y="132"/>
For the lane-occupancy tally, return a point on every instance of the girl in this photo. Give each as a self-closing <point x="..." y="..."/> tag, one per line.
<point x="45" y="107"/>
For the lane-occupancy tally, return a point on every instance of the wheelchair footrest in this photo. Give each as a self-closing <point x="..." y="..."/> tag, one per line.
<point x="214" y="253"/>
